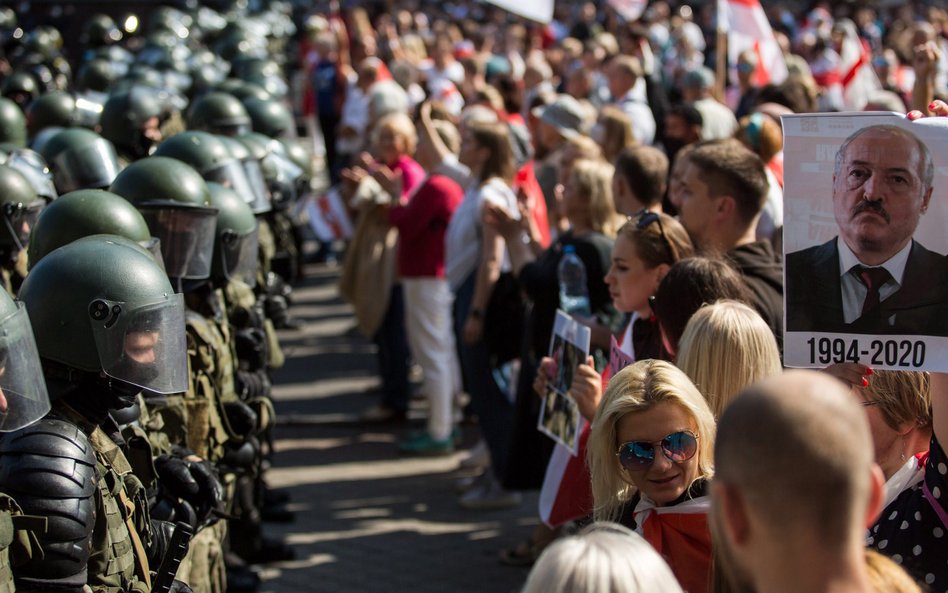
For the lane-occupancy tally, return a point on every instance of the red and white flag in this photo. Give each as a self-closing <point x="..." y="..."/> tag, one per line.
<point x="681" y="535"/>
<point x="630" y="10"/>
<point x="535" y="10"/>
<point x="747" y="27"/>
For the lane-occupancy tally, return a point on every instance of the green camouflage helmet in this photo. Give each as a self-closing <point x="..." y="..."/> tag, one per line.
<point x="12" y="123"/>
<point x="19" y="206"/>
<point x="21" y="382"/>
<point x="175" y="202"/>
<point x="80" y="159"/>
<point x="235" y="247"/>
<point x="102" y="304"/>
<point x="53" y="109"/>
<point x="81" y="214"/>
<point x="270" y="117"/>
<point x="219" y="113"/>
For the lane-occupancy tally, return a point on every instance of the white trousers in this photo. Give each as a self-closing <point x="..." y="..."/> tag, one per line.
<point x="430" y="330"/>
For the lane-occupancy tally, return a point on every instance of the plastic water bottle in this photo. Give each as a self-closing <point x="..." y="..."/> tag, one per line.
<point x="574" y="296"/>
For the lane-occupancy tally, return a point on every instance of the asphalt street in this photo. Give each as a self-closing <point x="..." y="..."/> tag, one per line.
<point x="367" y="518"/>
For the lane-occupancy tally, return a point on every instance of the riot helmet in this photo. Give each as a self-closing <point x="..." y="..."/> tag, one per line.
<point x="80" y="159"/>
<point x="96" y="75"/>
<point x="21" y="88"/>
<point x="12" y="123"/>
<point x="258" y="185"/>
<point x="19" y="206"/>
<point x="83" y="213"/>
<point x="33" y="166"/>
<point x="23" y="396"/>
<point x="175" y="203"/>
<point x="53" y="109"/>
<point x="270" y="117"/>
<point x="101" y="305"/>
<point x="100" y="30"/>
<point x="212" y="157"/>
<point x="131" y="120"/>
<point x="236" y="240"/>
<point x="281" y="173"/>
<point x="219" y="113"/>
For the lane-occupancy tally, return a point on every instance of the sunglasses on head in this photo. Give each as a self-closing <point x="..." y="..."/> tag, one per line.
<point x="644" y="218"/>
<point x="637" y="456"/>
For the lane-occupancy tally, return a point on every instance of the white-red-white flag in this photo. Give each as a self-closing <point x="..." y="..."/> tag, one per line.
<point x="535" y="10"/>
<point x="630" y="10"/>
<point x="747" y="27"/>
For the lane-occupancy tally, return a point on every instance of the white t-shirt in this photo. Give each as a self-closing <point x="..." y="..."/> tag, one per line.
<point x="464" y="236"/>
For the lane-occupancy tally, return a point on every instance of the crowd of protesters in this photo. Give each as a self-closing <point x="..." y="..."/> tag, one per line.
<point x="471" y="150"/>
<point x="626" y="143"/>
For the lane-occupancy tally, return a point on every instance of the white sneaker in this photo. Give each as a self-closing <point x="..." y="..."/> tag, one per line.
<point x="477" y="458"/>
<point x="490" y="496"/>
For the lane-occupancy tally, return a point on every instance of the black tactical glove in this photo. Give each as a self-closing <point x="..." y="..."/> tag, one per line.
<point x="161" y="532"/>
<point x="242" y="456"/>
<point x="240" y="417"/>
<point x="188" y="490"/>
<point x="252" y="385"/>
<point x="251" y="346"/>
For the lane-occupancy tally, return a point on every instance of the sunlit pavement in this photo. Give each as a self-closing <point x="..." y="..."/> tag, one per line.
<point x="367" y="518"/>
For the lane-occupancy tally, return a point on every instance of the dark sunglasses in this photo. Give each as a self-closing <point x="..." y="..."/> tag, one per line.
<point x="637" y="456"/>
<point x="643" y="219"/>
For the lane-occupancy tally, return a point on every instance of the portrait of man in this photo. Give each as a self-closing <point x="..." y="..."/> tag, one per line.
<point x="873" y="277"/>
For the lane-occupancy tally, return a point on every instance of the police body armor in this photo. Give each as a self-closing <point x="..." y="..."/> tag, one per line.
<point x="50" y="468"/>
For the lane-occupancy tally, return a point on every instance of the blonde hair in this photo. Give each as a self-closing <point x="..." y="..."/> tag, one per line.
<point x="903" y="396"/>
<point x="726" y="347"/>
<point x="603" y="558"/>
<point x="593" y="180"/>
<point x="885" y="576"/>
<point x="399" y="124"/>
<point x="635" y="389"/>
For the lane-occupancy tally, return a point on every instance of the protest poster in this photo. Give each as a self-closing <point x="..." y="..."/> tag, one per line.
<point x="865" y="212"/>
<point x="559" y="414"/>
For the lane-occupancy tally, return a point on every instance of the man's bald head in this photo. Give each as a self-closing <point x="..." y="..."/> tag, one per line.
<point x="798" y="448"/>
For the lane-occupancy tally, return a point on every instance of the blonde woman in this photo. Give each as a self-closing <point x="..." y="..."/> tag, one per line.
<point x="603" y="558"/>
<point x="726" y="347"/>
<point x="650" y="455"/>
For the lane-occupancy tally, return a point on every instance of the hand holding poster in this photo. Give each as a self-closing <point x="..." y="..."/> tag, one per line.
<point x="866" y="277"/>
<point x="559" y="415"/>
<point x="328" y="217"/>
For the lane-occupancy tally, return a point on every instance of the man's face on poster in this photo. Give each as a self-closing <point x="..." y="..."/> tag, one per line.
<point x="879" y="193"/>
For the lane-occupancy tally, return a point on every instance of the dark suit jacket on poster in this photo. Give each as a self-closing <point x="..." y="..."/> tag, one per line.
<point x="815" y="301"/>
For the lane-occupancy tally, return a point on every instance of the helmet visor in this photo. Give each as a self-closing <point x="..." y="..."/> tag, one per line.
<point x="143" y="345"/>
<point x="23" y="397"/>
<point x="261" y="196"/>
<point x="34" y="168"/>
<point x="186" y="236"/>
<point x="238" y="255"/>
<point x="91" y="166"/>
<point x="153" y="246"/>
<point x="20" y="220"/>
<point x="286" y="178"/>
<point x="89" y="107"/>
<point x="233" y="175"/>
